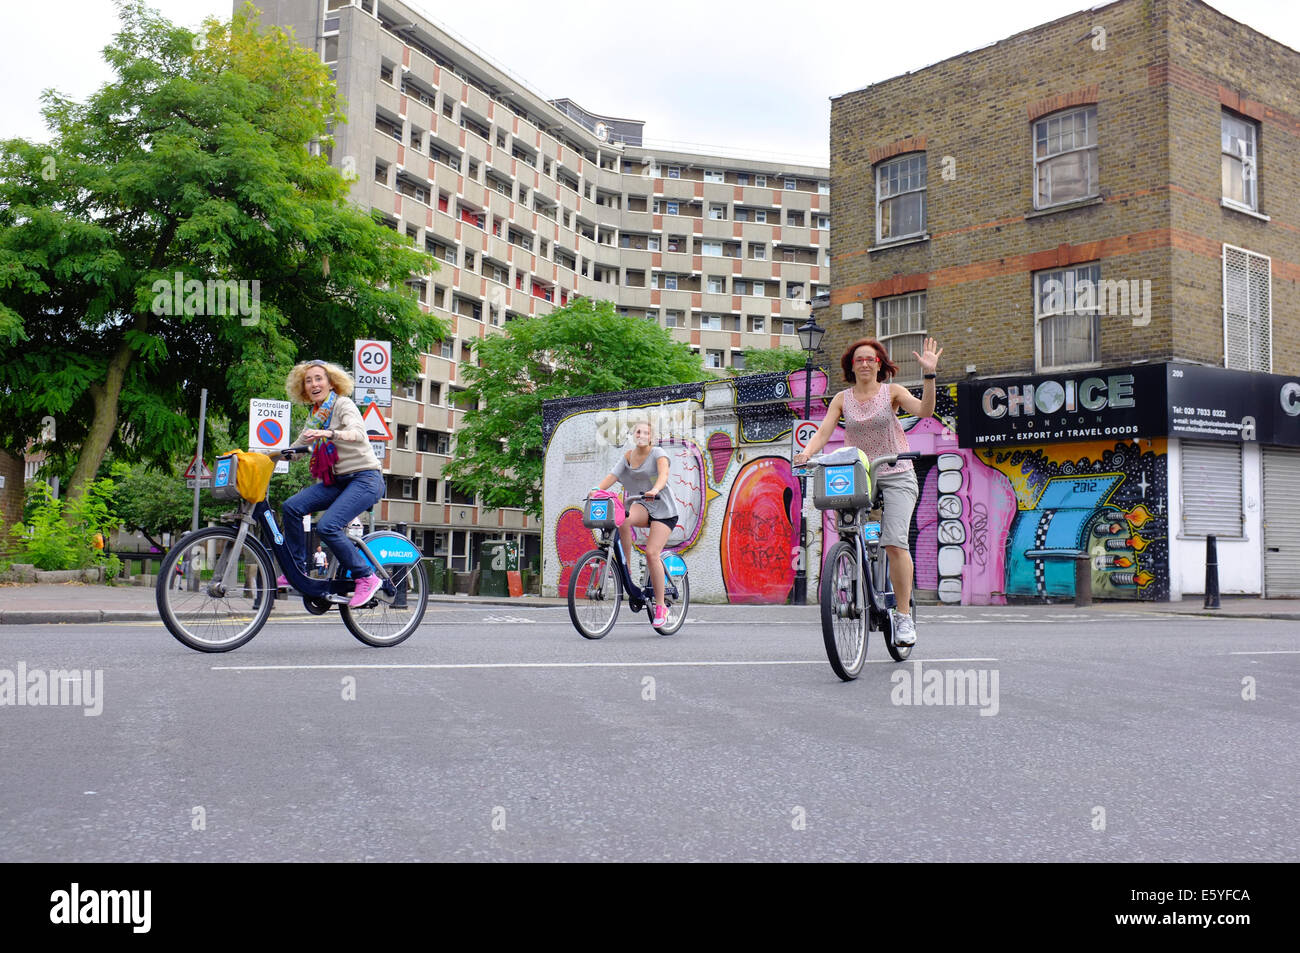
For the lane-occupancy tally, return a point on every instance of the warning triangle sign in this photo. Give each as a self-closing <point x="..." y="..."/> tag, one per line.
<point x="194" y="465"/>
<point x="376" y="426"/>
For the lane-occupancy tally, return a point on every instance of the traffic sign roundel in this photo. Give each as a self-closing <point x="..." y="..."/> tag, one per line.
<point x="373" y="357"/>
<point x="804" y="433"/>
<point x="269" y="432"/>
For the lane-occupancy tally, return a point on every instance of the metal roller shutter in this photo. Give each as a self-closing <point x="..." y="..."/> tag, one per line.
<point x="1212" y="489"/>
<point x="1281" y="522"/>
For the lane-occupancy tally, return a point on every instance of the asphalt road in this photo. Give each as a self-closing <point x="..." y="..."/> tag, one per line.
<point x="497" y="733"/>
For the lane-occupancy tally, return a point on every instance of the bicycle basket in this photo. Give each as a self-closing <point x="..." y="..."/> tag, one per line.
<point x="602" y="512"/>
<point x="843" y="485"/>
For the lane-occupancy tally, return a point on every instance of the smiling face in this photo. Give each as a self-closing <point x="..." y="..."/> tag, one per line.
<point x="316" y="384"/>
<point x="865" y="363"/>
<point x="641" y="435"/>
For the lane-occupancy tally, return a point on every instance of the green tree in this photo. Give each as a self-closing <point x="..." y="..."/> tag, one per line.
<point x="768" y="360"/>
<point x="582" y="348"/>
<point x="203" y="159"/>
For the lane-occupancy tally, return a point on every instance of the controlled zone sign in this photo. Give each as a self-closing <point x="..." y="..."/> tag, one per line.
<point x="268" y="424"/>
<point x="372" y="367"/>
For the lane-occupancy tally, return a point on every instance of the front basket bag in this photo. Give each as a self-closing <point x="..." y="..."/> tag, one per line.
<point x="251" y="474"/>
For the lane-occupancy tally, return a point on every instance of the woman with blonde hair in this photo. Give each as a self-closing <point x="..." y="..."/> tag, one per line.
<point x="644" y="470"/>
<point x="350" y="478"/>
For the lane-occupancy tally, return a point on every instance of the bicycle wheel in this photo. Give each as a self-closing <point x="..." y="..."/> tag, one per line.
<point x="677" y="608"/>
<point x="844" y="618"/>
<point x="201" y="613"/>
<point x="595" y="594"/>
<point x="388" y="619"/>
<point x="899" y="653"/>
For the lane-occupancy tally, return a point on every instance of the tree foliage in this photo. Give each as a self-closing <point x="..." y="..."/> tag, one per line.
<point x="582" y="348"/>
<point x="194" y="161"/>
<point x="768" y="360"/>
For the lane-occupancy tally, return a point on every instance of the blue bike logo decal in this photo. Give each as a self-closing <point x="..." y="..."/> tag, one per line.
<point x="839" y="481"/>
<point x="600" y="511"/>
<point x="275" y="530"/>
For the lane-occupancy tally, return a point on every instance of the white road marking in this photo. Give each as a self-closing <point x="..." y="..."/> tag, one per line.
<point x="490" y="665"/>
<point x="1270" y="652"/>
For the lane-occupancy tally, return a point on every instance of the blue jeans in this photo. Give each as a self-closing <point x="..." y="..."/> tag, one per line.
<point x="350" y="496"/>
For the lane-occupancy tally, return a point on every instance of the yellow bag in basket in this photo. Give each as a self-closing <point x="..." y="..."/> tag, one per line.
<point x="253" y="475"/>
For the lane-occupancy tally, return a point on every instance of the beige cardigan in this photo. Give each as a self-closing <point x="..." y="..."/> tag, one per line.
<point x="349" y="438"/>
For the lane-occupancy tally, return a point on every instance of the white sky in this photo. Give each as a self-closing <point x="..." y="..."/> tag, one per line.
<point x="768" y="74"/>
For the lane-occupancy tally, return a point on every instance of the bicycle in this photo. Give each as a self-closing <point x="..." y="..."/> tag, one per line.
<point x="231" y="581"/>
<point x="853" y="603"/>
<point x="600" y="576"/>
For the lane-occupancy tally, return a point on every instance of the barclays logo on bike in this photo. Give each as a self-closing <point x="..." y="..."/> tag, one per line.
<point x="839" y="481"/>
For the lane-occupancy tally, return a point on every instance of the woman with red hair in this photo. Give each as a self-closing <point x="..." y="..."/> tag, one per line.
<point x="870" y="408"/>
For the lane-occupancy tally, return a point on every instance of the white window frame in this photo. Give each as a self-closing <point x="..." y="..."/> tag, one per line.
<point x="760" y="321"/>
<point x="706" y="247"/>
<point x="652" y="243"/>
<point x="714" y="175"/>
<point x="901" y="328"/>
<point x="716" y="285"/>
<point x="899" y="179"/>
<point x="673" y="319"/>
<point x="674" y="172"/>
<point x="787" y="326"/>
<point x="1247" y="310"/>
<point x="758" y="251"/>
<point x="712" y="355"/>
<point x="717" y="213"/>
<point x="823" y="188"/>
<point x="1243" y="153"/>
<point x="760" y="216"/>
<point x="789" y="184"/>
<point x="1047" y="152"/>
<point x="760" y="181"/>
<point x="707" y="322"/>
<point x="670" y="282"/>
<point x="1068" y="279"/>
<point x="672" y="208"/>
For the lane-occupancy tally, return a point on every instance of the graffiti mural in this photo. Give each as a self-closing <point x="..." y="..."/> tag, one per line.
<point x="991" y="523"/>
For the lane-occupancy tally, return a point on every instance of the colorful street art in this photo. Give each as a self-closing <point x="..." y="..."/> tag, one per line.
<point x="990" y="523"/>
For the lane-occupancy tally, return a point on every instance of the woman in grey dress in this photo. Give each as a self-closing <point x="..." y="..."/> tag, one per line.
<point x="644" y="469"/>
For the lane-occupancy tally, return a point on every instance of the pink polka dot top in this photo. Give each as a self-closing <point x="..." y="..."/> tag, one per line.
<point x="874" y="428"/>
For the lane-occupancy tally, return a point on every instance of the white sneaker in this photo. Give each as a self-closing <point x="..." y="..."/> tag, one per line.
<point x="904" y="628"/>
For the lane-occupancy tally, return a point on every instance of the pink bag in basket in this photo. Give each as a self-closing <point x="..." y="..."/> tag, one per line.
<point x="619" y="514"/>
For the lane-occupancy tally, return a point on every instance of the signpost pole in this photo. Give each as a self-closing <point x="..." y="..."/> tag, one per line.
<point x="198" y="472"/>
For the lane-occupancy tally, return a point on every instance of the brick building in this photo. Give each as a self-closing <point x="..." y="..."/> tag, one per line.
<point x="526" y="202"/>
<point x="1098" y="220"/>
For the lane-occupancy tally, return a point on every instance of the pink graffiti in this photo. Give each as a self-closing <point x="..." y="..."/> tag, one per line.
<point x="720" y="449"/>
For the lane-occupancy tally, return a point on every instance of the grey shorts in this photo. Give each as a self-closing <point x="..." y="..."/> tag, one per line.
<point x="900" y="493"/>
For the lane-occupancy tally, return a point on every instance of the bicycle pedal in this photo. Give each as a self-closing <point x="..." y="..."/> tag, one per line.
<point x="338" y="599"/>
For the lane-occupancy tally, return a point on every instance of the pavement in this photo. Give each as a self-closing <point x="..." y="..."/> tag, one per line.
<point x="80" y="603"/>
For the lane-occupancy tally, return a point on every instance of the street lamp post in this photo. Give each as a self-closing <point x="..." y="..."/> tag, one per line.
<point x="810" y="338"/>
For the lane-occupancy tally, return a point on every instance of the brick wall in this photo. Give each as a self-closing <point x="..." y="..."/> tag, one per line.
<point x="1155" y="75"/>
<point x="11" y="498"/>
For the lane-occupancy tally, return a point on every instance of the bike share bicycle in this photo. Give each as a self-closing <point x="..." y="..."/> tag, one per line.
<point x="854" y="602"/>
<point x="230" y="573"/>
<point x="600" y="576"/>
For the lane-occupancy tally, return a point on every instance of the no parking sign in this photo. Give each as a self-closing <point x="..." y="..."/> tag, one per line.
<point x="268" y="424"/>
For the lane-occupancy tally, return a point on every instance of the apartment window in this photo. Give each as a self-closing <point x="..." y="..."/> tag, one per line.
<point x="386" y="74"/>
<point x="760" y="216"/>
<point x="794" y="290"/>
<point x="787" y="327"/>
<point x="823" y="222"/>
<point x="1066" y="316"/>
<point x="674" y="172"/>
<point x="499" y="274"/>
<point x="760" y="181"/>
<point x="789" y="185"/>
<point x="823" y="188"/>
<point x="1212" y="497"/>
<point x="717" y="285"/>
<point x="1065" y="157"/>
<point x="671" y="208"/>
<point x="711" y="249"/>
<point x="1247" y="310"/>
<point x="738" y="360"/>
<point x="742" y="215"/>
<point x="1237" y="142"/>
<point x="900" y="197"/>
<point x="448" y="349"/>
<point x="756" y="323"/>
<point x="673" y="319"/>
<point x="711" y="322"/>
<point x="712" y="358"/>
<point x="717" y="212"/>
<point x="900" y="326"/>
<point x="713" y="175"/>
<point x="740" y="287"/>
<point x="758" y="289"/>
<point x="758" y="251"/>
<point x="676" y="243"/>
<point x="742" y="178"/>
<point x="652" y="243"/>
<point x="670" y="282"/>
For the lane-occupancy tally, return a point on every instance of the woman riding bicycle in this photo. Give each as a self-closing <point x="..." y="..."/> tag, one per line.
<point x="351" y="479"/>
<point x="644" y="470"/>
<point x="870" y="410"/>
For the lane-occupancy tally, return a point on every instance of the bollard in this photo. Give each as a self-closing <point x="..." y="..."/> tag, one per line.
<point x="1082" y="580"/>
<point x="1211" y="572"/>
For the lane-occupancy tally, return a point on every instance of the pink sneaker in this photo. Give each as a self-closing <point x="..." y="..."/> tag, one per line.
<point x="661" y="616"/>
<point x="364" y="590"/>
<point x="281" y="582"/>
